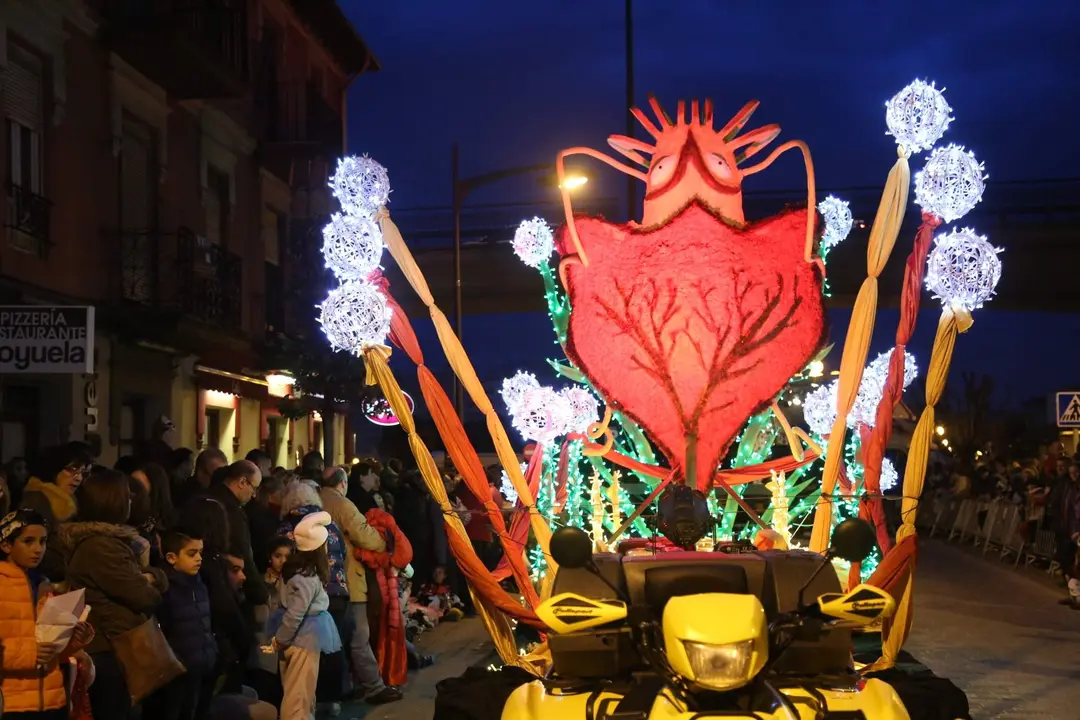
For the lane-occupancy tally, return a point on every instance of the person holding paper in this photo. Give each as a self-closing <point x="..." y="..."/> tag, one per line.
<point x="32" y="683"/>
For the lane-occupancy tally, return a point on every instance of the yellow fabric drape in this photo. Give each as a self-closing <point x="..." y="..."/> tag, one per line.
<point x="890" y="215"/>
<point x="463" y="369"/>
<point x="378" y="370"/>
<point x="950" y="323"/>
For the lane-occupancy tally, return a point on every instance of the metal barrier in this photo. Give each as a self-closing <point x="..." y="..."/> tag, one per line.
<point x="1009" y="529"/>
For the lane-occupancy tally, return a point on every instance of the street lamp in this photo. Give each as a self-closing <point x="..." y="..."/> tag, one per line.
<point x="461" y="189"/>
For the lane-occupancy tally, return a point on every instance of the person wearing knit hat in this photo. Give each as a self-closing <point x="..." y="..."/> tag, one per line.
<point x="303" y="629"/>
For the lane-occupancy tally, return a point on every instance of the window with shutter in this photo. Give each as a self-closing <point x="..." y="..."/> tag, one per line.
<point x="271" y="239"/>
<point x="24" y="108"/>
<point x="273" y="279"/>
<point x="217" y="207"/>
<point x="138" y="193"/>
<point x="138" y="206"/>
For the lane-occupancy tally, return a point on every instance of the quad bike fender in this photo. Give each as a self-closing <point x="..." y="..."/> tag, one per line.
<point x="533" y="701"/>
<point x="876" y="701"/>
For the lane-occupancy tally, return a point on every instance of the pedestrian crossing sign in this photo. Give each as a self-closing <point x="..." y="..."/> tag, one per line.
<point x="1068" y="409"/>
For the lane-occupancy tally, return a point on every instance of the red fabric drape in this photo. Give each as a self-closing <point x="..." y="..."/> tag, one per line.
<point x="731" y="477"/>
<point x="562" y="475"/>
<point x="472" y="471"/>
<point x="895" y="571"/>
<point x="390" y="639"/>
<point x="519" y="525"/>
<point x="468" y="464"/>
<point x="871" y="507"/>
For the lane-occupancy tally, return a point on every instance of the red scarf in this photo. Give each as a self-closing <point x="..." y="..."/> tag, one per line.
<point x="390" y="645"/>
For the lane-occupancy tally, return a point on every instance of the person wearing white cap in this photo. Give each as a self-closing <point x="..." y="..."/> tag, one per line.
<point x="303" y="629"/>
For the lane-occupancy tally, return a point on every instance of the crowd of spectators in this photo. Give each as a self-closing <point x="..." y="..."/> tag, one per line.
<point x="1047" y="488"/>
<point x="281" y="592"/>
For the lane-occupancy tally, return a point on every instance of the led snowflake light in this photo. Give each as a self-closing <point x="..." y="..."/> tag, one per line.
<point x="584" y="406"/>
<point x="872" y="387"/>
<point x="889" y="475"/>
<point x="837" y="219"/>
<point x="514" y="389"/>
<point x="963" y="270"/>
<point x="917" y="116"/>
<point x="819" y="408"/>
<point x="352" y="246"/>
<point x="542" y="415"/>
<point x="507" y="487"/>
<point x="533" y="242"/>
<point x="361" y="185"/>
<point x="354" y="316"/>
<point x="951" y="183"/>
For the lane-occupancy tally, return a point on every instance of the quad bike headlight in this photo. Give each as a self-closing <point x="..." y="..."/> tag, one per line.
<point x="720" y="667"/>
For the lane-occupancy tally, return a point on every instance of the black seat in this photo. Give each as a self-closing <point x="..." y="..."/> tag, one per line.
<point x="664" y="583"/>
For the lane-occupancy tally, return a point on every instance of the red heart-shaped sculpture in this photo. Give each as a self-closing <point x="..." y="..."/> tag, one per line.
<point x="691" y="327"/>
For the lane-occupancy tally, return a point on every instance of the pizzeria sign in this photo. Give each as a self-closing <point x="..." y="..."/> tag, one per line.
<point x="43" y="339"/>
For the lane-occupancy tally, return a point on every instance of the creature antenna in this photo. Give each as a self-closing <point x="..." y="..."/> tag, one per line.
<point x="701" y="115"/>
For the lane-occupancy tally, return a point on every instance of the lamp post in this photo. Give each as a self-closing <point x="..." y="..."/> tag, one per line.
<point x="461" y="189"/>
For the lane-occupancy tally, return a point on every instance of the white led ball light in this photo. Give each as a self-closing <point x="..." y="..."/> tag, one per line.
<point x="836" y="216"/>
<point x="872" y="387"/>
<point x="819" y="409"/>
<point x="514" y="389"/>
<point x="543" y="415"/>
<point x="963" y="270"/>
<point x="917" y="116"/>
<point x="354" y="316"/>
<point x="352" y="246"/>
<point x="951" y="183"/>
<point x="507" y="488"/>
<point x="584" y="406"/>
<point x="533" y="242"/>
<point x="889" y="475"/>
<point x="361" y="185"/>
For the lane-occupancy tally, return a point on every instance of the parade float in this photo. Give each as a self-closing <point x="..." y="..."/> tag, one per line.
<point x="684" y="336"/>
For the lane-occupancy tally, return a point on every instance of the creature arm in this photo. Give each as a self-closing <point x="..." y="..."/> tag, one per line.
<point x="811" y="191"/>
<point x="794" y="435"/>
<point x="568" y="209"/>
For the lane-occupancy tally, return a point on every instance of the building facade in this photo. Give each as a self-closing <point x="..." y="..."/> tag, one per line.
<point x="165" y="167"/>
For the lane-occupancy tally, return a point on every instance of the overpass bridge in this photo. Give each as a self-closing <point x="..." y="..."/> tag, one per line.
<point x="1037" y="222"/>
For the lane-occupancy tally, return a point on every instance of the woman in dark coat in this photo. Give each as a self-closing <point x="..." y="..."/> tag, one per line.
<point x="103" y="558"/>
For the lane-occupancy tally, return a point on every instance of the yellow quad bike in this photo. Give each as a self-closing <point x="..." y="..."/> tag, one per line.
<point x="696" y="635"/>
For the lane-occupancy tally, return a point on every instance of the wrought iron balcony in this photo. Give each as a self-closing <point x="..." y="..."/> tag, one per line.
<point x="191" y="48"/>
<point x="180" y="274"/>
<point x="211" y="281"/>
<point x="28" y="220"/>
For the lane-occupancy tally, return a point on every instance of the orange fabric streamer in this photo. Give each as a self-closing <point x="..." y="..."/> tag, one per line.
<point x="472" y="471"/>
<point x="519" y="525"/>
<point x="457" y="442"/>
<point x="871" y="507"/>
<point x="731" y="477"/>
<point x="895" y="575"/>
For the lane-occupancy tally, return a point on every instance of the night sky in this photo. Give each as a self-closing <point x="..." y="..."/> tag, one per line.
<point x="515" y="82"/>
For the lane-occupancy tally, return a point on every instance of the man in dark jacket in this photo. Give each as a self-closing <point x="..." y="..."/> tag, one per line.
<point x="238" y="486"/>
<point x="264" y="517"/>
<point x="209" y="461"/>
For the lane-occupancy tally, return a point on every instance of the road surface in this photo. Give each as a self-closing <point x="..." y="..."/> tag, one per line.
<point x="998" y="633"/>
